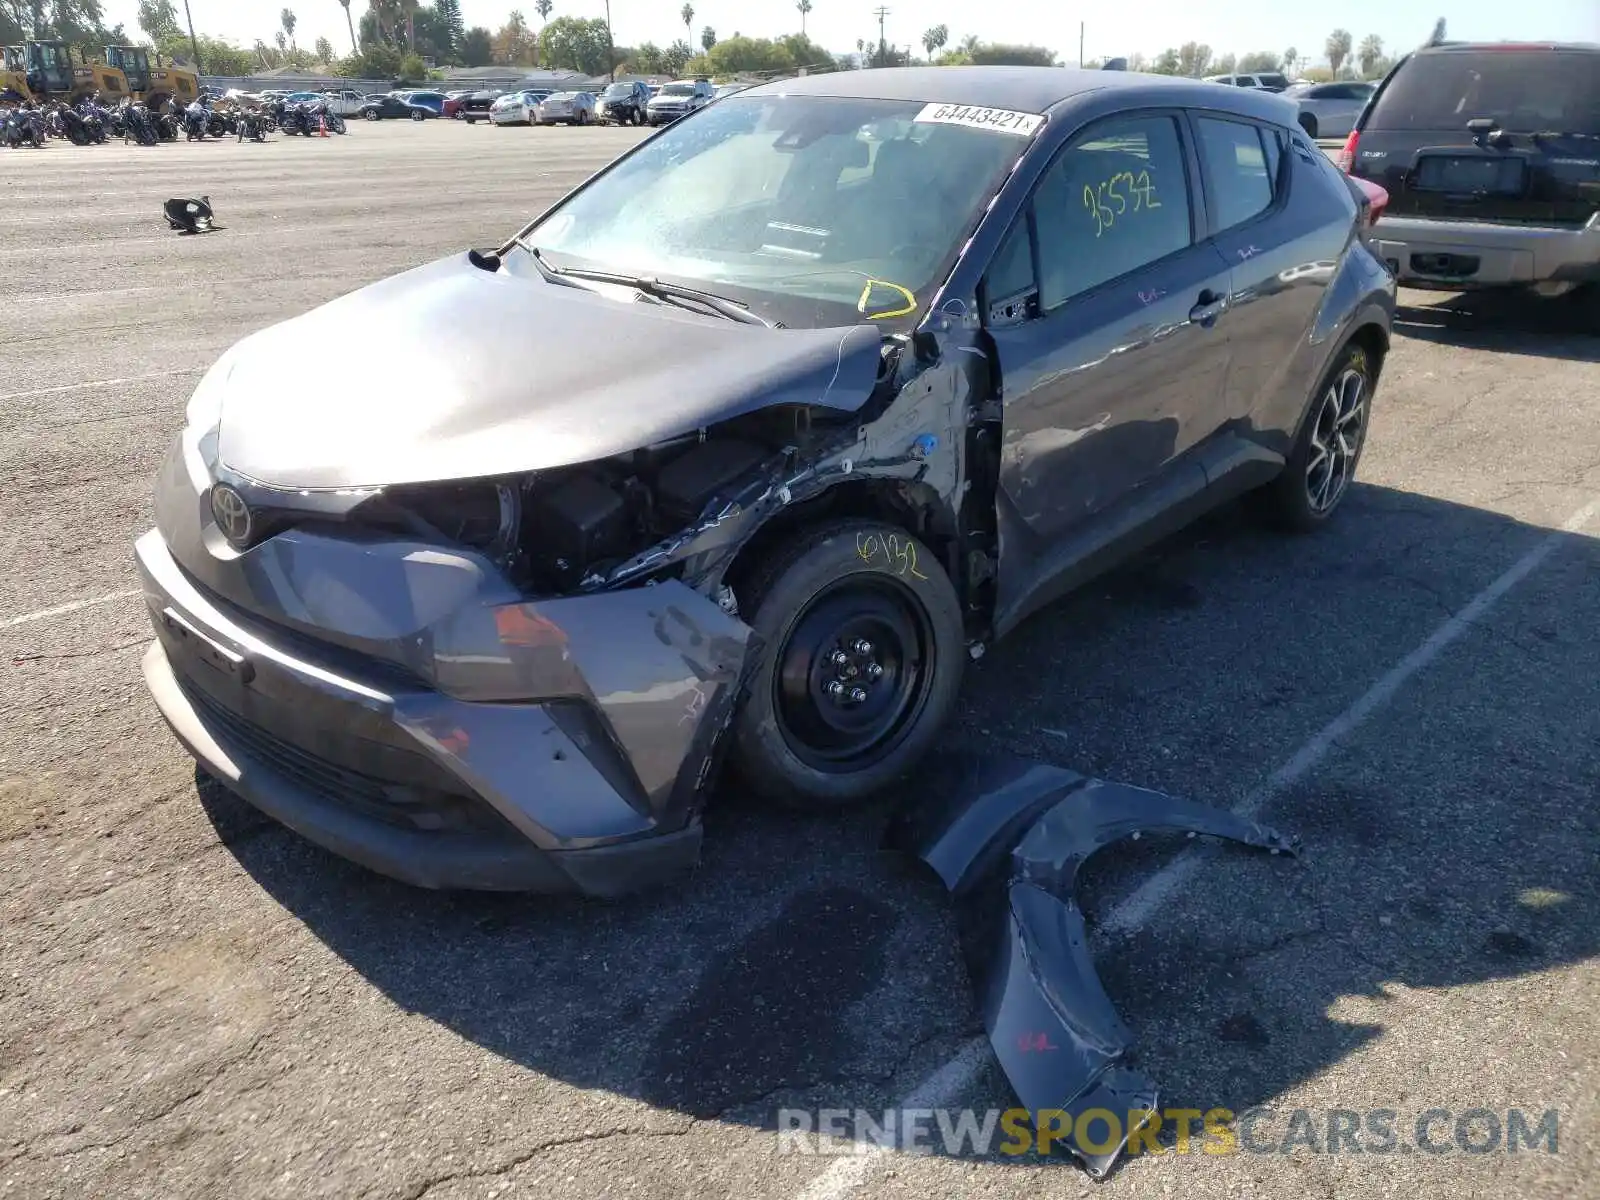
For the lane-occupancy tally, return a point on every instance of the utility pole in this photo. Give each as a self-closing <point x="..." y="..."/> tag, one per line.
<point x="883" y="47"/>
<point x="611" y="47"/>
<point x="194" y="43"/>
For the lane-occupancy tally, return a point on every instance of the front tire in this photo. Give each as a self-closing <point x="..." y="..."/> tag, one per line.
<point x="370" y="115"/>
<point x="1323" y="462"/>
<point x="862" y="650"/>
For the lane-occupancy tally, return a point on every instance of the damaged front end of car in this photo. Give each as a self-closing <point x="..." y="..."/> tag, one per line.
<point x="1008" y="838"/>
<point x="517" y="677"/>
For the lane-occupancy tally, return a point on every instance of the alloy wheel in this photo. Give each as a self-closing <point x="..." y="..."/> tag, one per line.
<point x="1336" y="435"/>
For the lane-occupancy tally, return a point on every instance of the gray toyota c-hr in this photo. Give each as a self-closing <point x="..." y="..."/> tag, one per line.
<point x="739" y="452"/>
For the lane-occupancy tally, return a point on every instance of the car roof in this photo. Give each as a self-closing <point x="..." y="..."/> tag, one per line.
<point x="1459" y="47"/>
<point x="1026" y="89"/>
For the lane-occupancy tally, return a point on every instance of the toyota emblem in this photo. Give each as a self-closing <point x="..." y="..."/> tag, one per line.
<point x="232" y="514"/>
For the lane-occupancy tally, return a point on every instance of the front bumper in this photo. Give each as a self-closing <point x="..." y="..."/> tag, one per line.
<point x="1457" y="255"/>
<point x="559" y="746"/>
<point x="662" y="116"/>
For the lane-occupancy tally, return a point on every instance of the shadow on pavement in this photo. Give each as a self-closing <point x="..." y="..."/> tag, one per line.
<point x="803" y="961"/>
<point x="1509" y="322"/>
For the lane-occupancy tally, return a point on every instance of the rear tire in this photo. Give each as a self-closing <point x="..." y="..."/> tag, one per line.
<point x="370" y="115"/>
<point x="1317" y="477"/>
<point x="864" y="609"/>
<point x="416" y="116"/>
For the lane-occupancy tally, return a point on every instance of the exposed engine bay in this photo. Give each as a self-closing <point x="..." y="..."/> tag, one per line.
<point x="552" y="530"/>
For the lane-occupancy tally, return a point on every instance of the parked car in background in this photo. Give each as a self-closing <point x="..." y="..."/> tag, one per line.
<point x="566" y="108"/>
<point x="395" y="106"/>
<point x="516" y="108"/>
<point x="1267" y="81"/>
<point x="1491" y="157"/>
<point x="1329" y="110"/>
<point x="624" y="103"/>
<point x="679" y="99"/>
<point x="729" y="89"/>
<point x="433" y="101"/>
<point x="474" y="106"/>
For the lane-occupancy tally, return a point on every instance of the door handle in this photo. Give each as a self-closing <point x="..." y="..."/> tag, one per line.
<point x="1208" y="309"/>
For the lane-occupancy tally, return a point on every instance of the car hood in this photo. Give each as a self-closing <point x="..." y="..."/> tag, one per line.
<point x="450" y="371"/>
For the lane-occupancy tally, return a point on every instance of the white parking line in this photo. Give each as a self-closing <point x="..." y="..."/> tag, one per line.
<point x="946" y="1084"/>
<point x="97" y="383"/>
<point x="1138" y="907"/>
<point x="942" y="1088"/>
<point x="63" y="609"/>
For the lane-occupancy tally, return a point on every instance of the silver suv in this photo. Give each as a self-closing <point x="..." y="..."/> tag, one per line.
<point x="679" y="99"/>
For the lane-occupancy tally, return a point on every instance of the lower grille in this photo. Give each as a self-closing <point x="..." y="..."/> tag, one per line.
<point x="417" y="808"/>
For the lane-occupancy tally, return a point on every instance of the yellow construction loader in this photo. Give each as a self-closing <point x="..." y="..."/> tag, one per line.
<point x="153" y="85"/>
<point x="45" y="71"/>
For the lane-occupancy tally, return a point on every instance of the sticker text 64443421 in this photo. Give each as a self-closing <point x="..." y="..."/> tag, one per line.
<point x="1002" y="120"/>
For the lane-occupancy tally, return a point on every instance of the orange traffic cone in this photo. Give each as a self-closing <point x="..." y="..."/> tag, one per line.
<point x="322" y="125"/>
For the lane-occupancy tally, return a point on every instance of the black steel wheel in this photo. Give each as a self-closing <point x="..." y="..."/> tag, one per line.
<point x="862" y="649"/>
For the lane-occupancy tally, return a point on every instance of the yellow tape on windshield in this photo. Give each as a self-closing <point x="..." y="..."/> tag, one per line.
<point x="866" y="293"/>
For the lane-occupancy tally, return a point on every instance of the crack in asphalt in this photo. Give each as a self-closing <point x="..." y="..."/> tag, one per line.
<point x="527" y="1156"/>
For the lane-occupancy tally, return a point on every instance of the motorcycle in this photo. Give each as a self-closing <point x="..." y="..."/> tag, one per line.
<point x="252" y="125"/>
<point x="221" y="124"/>
<point x="73" y="126"/>
<point x="25" y="128"/>
<point x="168" y="125"/>
<point x="194" y="125"/>
<point x="324" y="112"/>
<point x="138" y="125"/>
<point x="95" y="119"/>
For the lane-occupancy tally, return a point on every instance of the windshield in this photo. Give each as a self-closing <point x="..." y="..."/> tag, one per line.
<point x="563" y="96"/>
<point x="1522" y="91"/>
<point x="813" y="210"/>
<point x="618" y="90"/>
<point x="678" y="89"/>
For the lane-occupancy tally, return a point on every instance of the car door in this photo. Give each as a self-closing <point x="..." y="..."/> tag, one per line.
<point x="1281" y="261"/>
<point x="1108" y="315"/>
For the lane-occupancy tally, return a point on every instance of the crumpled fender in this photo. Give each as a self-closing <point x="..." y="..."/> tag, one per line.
<point x="1030" y="827"/>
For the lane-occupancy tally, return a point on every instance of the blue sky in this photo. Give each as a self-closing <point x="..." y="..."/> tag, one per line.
<point x="1240" y="26"/>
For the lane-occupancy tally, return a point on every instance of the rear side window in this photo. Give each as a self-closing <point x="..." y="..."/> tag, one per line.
<point x="1111" y="203"/>
<point x="1242" y="165"/>
<point x="1524" y="91"/>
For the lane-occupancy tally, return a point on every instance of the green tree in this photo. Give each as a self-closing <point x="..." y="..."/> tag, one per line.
<point x="1291" y="60"/>
<point x="934" y="39"/>
<point x="431" y="35"/>
<point x="1194" y="59"/>
<point x="576" y="43"/>
<point x="805" y="8"/>
<point x="686" y="15"/>
<point x="477" y="48"/>
<point x="1166" y="63"/>
<point x="647" y="60"/>
<point x="1337" y="49"/>
<point x="708" y="38"/>
<point x="1226" y="65"/>
<point x="514" y="43"/>
<point x="324" y="50"/>
<point x="739" y="55"/>
<point x="675" y="58"/>
<point x="543" y="8"/>
<point x="450" y="13"/>
<point x="158" y="19"/>
<point x="1438" y="34"/>
<point x="1003" y="54"/>
<point x="1370" y="51"/>
<point x="808" y="54"/>
<point x="1257" y="61"/>
<point x="413" y="69"/>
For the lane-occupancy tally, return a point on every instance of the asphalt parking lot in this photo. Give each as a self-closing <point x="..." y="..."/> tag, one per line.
<point x="194" y="1002"/>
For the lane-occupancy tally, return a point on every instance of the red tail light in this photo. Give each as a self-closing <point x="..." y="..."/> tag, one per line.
<point x="1347" y="155"/>
<point x="1377" y="198"/>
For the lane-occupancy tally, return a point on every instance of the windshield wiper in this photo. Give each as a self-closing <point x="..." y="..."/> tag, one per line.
<point x="656" y="288"/>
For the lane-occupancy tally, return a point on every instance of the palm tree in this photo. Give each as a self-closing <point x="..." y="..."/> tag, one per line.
<point x="687" y="13"/>
<point x="708" y="38"/>
<point x="1370" y="52"/>
<point x="354" y="48"/>
<point x="804" y="6"/>
<point x="1291" y="58"/>
<point x="409" y="9"/>
<point x="1438" y="33"/>
<point x="543" y="7"/>
<point x="935" y="38"/>
<point x="1337" y="49"/>
<point x="287" y="19"/>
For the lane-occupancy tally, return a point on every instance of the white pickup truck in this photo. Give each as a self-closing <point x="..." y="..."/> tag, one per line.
<point x="345" y="102"/>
